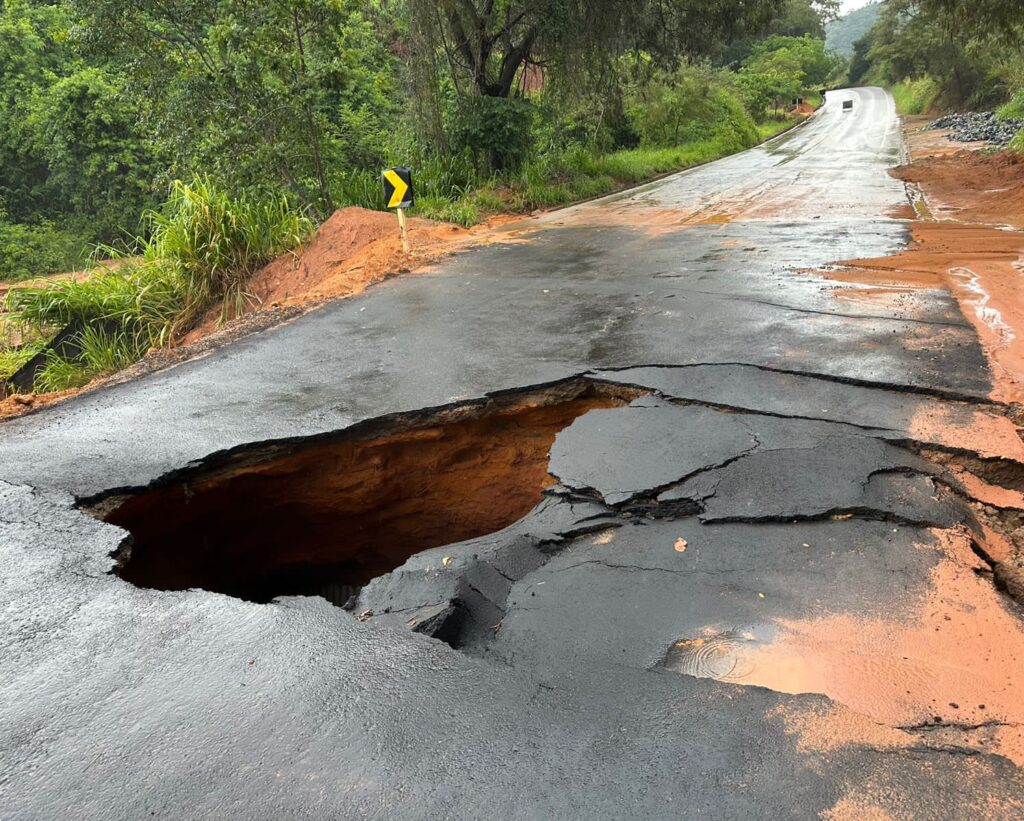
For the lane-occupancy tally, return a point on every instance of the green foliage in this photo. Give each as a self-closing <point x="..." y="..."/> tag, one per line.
<point x="28" y="251"/>
<point x="12" y="359"/>
<point x="804" y="57"/>
<point x="254" y="93"/>
<point x="973" y="64"/>
<point x="211" y="243"/>
<point x="82" y="128"/>
<point x="496" y="128"/>
<point x="841" y="34"/>
<point x="61" y="375"/>
<point x="1013" y="110"/>
<point x="142" y="300"/>
<point x="695" y="103"/>
<point x="70" y="148"/>
<point x="103" y="352"/>
<point x="916" y="96"/>
<point x="781" y="69"/>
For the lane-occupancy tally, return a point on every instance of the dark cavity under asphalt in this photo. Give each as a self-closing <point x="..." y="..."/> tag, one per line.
<point x="732" y="449"/>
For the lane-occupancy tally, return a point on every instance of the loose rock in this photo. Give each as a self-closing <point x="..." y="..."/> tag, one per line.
<point x="979" y="127"/>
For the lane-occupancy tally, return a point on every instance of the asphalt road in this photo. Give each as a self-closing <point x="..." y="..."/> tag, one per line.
<point x="749" y="593"/>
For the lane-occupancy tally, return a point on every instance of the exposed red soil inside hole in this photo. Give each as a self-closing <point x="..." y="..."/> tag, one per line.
<point x="285" y="520"/>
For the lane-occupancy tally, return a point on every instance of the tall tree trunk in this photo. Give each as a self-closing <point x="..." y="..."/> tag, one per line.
<point x="327" y="202"/>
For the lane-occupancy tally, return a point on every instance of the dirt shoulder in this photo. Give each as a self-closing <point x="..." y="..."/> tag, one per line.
<point x="967" y="234"/>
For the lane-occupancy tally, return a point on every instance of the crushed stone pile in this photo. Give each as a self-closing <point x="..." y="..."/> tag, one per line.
<point x="979" y="127"/>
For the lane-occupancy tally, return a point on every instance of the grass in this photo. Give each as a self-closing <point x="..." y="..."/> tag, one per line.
<point x="578" y="174"/>
<point x="915" y="96"/>
<point x="12" y="359"/>
<point x="200" y="249"/>
<point x="103" y="352"/>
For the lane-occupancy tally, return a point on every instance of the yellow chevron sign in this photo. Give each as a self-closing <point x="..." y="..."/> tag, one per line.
<point x="398" y="187"/>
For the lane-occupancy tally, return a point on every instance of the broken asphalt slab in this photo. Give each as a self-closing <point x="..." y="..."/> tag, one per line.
<point x="641" y="643"/>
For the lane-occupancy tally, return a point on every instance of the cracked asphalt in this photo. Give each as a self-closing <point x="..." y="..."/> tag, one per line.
<point x="753" y="591"/>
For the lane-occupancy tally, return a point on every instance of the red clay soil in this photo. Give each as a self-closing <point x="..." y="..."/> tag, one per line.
<point x="22" y="403"/>
<point x="972" y="201"/>
<point x="352" y="250"/>
<point x="972" y="186"/>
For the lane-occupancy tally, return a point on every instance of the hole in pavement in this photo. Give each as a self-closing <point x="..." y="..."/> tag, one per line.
<point x="324" y="516"/>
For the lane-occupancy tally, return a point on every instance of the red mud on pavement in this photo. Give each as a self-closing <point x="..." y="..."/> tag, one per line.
<point x="952" y="657"/>
<point x="981" y="266"/>
<point x="967" y="203"/>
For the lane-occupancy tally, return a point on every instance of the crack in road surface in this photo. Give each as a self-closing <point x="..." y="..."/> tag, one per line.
<point x="595" y="558"/>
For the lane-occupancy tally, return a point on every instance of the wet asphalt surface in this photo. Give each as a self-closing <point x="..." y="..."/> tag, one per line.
<point x="777" y="441"/>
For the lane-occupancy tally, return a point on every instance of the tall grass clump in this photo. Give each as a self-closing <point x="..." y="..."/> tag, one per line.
<point x="916" y="96"/>
<point x="211" y="243"/>
<point x="202" y="247"/>
<point x="103" y="352"/>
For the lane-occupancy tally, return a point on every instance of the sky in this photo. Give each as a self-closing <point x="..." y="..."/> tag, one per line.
<point x="850" y="5"/>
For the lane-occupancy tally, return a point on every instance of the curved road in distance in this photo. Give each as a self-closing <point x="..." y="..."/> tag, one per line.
<point x="748" y="596"/>
<point x="614" y="287"/>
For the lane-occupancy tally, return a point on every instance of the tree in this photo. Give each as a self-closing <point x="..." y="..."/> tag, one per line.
<point x="794" y="18"/>
<point x="913" y="39"/>
<point x="797" y="18"/>
<point x="69" y="146"/>
<point x="693" y="103"/>
<point x="488" y="42"/>
<point x="976" y="18"/>
<point x="253" y="92"/>
<point x="802" y="59"/>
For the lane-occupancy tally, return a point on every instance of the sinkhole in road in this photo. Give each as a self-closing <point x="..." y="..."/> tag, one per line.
<point x="323" y="516"/>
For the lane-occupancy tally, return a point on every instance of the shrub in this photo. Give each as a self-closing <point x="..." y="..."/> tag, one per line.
<point x="916" y="96"/>
<point x="202" y="247"/>
<point x="498" y="128"/>
<point x="693" y="104"/>
<point x="28" y="251"/>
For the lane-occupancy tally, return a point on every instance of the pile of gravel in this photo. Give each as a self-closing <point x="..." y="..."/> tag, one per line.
<point x="978" y="127"/>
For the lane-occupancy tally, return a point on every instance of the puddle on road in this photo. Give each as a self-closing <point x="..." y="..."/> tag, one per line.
<point x="949" y="666"/>
<point x="323" y="517"/>
<point x="724" y="656"/>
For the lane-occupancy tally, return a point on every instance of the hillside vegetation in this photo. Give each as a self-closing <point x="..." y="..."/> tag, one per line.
<point x="842" y="33"/>
<point x="192" y="141"/>
<point x="945" y="54"/>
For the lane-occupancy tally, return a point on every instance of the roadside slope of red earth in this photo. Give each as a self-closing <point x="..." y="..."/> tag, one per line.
<point x="967" y="238"/>
<point x="354" y="249"/>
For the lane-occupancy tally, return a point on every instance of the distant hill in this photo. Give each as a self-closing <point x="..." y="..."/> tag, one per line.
<point x="841" y="34"/>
